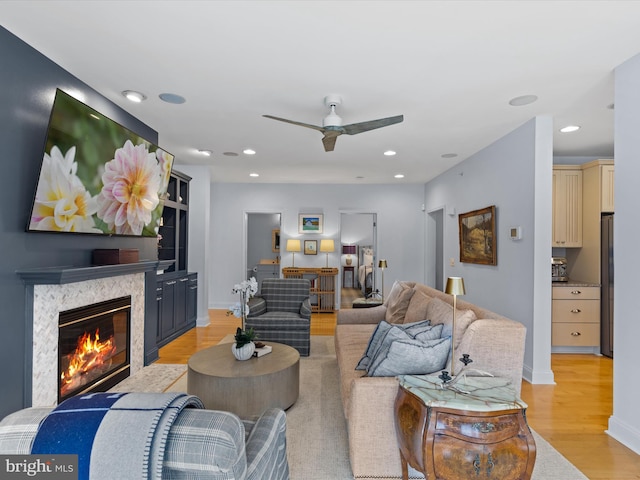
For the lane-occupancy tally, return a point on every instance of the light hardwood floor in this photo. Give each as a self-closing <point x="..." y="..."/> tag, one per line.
<point x="571" y="415"/>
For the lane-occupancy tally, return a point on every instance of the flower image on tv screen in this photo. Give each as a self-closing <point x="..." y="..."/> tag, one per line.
<point x="97" y="176"/>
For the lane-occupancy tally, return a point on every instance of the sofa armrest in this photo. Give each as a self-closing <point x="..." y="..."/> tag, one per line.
<point x="362" y="315"/>
<point x="371" y="416"/>
<point x="257" y="306"/>
<point x="267" y="446"/>
<point x="305" y="308"/>
<point x="496" y="346"/>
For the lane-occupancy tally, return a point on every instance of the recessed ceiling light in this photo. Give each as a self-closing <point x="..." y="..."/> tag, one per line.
<point x="206" y="153"/>
<point x="172" y="98"/>
<point x="254" y="174"/>
<point x="449" y="155"/>
<point x="230" y="154"/>
<point x="399" y="175"/>
<point x="249" y="151"/>
<point x="523" y="100"/>
<point x="389" y="153"/>
<point x="134" y="96"/>
<point x="570" y="128"/>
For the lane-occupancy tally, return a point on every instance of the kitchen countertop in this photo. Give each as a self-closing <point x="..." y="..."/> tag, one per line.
<point x="574" y="283"/>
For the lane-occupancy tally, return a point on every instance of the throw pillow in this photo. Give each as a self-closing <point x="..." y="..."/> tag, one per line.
<point x="397" y="307"/>
<point x="423" y="329"/>
<point x="411" y="357"/>
<point x="417" y="309"/>
<point x="439" y="311"/>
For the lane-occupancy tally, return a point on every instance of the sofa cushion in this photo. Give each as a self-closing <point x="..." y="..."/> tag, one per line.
<point x="439" y="311"/>
<point x="411" y="357"/>
<point x="397" y="306"/>
<point x="398" y="286"/>
<point x="417" y="309"/>
<point x="422" y="329"/>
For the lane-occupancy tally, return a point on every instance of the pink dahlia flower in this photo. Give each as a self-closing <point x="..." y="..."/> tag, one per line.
<point x="129" y="195"/>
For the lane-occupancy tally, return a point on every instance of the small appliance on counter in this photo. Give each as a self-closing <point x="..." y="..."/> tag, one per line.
<point x="559" y="269"/>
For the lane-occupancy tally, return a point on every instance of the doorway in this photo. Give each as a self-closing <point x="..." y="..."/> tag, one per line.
<point x="262" y="246"/>
<point x="358" y="260"/>
<point x="435" y="249"/>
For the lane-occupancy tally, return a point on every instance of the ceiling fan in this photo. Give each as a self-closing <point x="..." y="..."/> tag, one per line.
<point x="332" y="126"/>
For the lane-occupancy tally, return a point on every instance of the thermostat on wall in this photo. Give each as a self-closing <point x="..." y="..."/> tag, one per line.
<point x="515" y="233"/>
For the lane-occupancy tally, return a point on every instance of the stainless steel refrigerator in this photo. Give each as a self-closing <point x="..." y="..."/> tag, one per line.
<point x="606" y="278"/>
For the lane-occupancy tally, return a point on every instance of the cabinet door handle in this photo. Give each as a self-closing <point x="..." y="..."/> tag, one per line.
<point x="184" y="279"/>
<point x="576" y="310"/>
<point x="172" y="282"/>
<point x="576" y="292"/>
<point x="575" y="334"/>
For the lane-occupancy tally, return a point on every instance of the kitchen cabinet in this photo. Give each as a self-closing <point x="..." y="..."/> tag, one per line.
<point x="567" y="206"/>
<point x="606" y="188"/>
<point x="575" y="316"/>
<point x="266" y="269"/>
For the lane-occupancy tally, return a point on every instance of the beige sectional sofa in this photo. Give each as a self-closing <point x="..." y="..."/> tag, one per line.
<point x="495" y="343"/>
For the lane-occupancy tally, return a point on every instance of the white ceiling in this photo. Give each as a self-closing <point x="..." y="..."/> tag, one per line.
<point x="450" y="67"/>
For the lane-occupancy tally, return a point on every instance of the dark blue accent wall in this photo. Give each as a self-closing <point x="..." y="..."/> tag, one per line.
<point x="27" y="86"/>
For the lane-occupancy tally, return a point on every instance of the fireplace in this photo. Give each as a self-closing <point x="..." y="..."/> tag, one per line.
<point x="93" y="347"/>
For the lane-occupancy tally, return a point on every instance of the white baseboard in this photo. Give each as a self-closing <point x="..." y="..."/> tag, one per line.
<point x="624" y="433"/>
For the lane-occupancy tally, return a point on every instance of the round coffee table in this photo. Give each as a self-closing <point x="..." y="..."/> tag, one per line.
<point x="246" y="388"/>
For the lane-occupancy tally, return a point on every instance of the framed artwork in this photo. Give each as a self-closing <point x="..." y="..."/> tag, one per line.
<point x="310" y="247"/>
<point x="310" y="223"/>
<point x="477" y="231"/>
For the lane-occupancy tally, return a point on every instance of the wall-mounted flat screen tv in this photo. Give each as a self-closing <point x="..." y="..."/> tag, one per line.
<point x="97" y="176"/>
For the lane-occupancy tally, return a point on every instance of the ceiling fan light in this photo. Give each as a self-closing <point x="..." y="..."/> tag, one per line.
<point x="332" y="120"/>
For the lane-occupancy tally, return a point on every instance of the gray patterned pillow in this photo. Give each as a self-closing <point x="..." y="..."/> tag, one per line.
<point x="422" y="329"/>
<point x="411" y="357"/>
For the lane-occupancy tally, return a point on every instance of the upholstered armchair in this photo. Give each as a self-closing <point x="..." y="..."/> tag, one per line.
<point x="282" y="313"/>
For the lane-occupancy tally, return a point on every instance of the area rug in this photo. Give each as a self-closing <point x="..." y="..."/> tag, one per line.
<point x="317" y="443"/>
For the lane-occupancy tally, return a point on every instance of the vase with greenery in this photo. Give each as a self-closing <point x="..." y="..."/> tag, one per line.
<point x="243" y="347"/>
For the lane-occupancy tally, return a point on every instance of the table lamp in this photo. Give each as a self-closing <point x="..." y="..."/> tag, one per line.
<point x="348" y="250"/>
<point x="455" y="287"/>
<point x="293" y="246"/>
<point x="326" y="246"/>
<point x="382" y="264"/>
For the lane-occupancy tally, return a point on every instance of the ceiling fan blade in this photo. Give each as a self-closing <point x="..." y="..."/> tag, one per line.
<point x="329" y="140"/>
<point x="320" y="129"/>
<point x="355" y="128"/>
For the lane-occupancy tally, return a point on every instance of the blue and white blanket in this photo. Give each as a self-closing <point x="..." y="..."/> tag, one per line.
<point x="115" y="435"/>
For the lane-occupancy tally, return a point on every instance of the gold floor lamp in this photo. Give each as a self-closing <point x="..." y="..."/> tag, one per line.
<point x="455" y="287"/>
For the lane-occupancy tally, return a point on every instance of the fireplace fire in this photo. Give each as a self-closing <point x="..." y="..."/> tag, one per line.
<point x="93" y="353"/>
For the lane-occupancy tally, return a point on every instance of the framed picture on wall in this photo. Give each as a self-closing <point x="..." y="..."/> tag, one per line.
<point x="310" y="223"/>
<point x="477" y="230"/>
<point x="310" y="247"/>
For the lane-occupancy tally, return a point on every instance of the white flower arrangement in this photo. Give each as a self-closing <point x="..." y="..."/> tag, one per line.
<point x="246" y="289"/>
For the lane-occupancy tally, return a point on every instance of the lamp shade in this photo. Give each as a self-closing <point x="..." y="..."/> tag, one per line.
<point x="455" y="286"/>
<point x="349" y="249"/>
<point x="293" y="245"/>
<point x="326" y="245"/>
<point x="382" y="264"/>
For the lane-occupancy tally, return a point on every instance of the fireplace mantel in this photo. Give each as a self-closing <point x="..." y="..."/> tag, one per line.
<point x="71" y="274"/>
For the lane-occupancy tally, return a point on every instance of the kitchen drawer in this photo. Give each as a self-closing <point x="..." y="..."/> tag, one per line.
<point x="571" y="293"/>
<point x="575" y="334"/>
<point x="575" y="311"/>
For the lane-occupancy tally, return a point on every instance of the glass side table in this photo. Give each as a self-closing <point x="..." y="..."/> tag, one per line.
<point x="480" y="434"/>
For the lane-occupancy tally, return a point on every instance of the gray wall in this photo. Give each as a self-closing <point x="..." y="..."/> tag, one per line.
<point x="514" y="174"/>
<point x="400" y="227"/>
<point x="624" y="424"/>
<point x="27" y="88"/>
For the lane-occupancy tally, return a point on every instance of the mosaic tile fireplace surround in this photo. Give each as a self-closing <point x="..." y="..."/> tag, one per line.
<point x="51" y="291"/>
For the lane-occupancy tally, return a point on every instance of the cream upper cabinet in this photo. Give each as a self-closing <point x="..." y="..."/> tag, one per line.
<point x="567" y="206"/>
<point x="606" y="188"/>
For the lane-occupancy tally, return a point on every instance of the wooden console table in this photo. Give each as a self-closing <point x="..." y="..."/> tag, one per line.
<point x="448" y="435"/>
<point x="323" y="286"/>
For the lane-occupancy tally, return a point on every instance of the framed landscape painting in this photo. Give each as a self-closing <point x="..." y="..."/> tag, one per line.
<point x="310" y="223"/>
<point x="477" y="231"/>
